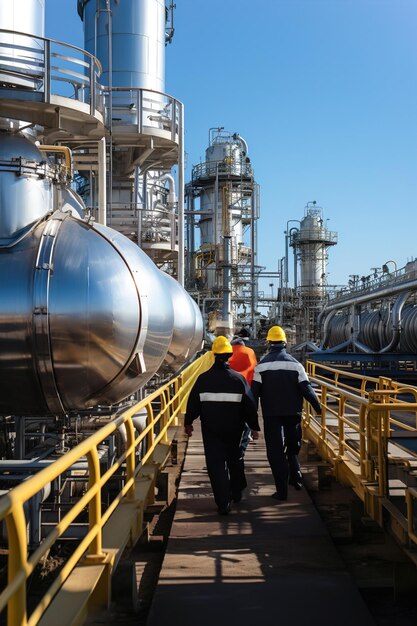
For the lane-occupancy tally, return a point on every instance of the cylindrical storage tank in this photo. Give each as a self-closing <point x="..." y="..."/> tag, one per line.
<point x="185" y="316"/>
<point x="85" y="319"/>
<point x="24" y="176"/>
<point x="137" y="42"/>
<point x="21" y="54"/>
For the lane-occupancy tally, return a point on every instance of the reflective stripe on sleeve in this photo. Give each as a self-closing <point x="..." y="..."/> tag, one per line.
<point x="257" y="377"/>
<point x="210" y="396"/>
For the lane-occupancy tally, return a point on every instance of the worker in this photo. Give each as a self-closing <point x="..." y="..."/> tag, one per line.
<point x="281" y="383"/>
<point x="244" y="358"/>
<point x="223" y="400"/>
<point x="244" y="361"/>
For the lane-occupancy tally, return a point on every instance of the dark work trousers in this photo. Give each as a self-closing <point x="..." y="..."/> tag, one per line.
<point x="283" y="442"/>
<point x="224" y="466"/>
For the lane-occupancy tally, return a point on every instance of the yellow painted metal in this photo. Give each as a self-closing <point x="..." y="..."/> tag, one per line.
<point x="354" y="429"/>
<point x="90" y="551"/>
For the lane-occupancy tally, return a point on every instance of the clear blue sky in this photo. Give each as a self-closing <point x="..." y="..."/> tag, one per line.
<point x="324" y="92"/>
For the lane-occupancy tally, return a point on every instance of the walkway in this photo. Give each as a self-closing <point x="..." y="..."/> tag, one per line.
<point x="267" y="563"/>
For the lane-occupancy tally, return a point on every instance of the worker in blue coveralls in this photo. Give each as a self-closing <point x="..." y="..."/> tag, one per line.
<point x="281" y="383"/>
<point x="223" y="400"/>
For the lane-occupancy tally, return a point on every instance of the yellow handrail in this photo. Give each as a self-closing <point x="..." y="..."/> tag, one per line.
<point x="20" y="566"/>
<point x="354" y="428"/>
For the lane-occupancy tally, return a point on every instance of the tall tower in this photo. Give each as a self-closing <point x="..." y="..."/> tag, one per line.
<point x="310" y="242"/>
<point x="222" y="268"/>
<point x="144" y="127"/>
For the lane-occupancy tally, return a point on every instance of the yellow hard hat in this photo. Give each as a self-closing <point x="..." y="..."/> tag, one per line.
<point x="276" y="333"/>
<point x="221" y="345"/>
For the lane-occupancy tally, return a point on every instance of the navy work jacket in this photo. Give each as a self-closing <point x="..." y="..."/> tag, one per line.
<point x="281" y="383"/>
<point x="223" y="400"/>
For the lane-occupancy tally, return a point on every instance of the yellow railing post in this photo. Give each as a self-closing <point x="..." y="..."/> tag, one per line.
<point x="130" y="458"/>
<point x="94" y="507"/>
<point x="323" y="414"/>
<point x="17" y="537"/>
<point x="341" y="423"/>
<point x="364" y="463"/>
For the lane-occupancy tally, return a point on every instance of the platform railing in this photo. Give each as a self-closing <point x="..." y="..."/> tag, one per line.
<point x="32" y="65"/>
<point x="170" y="399"/>
<point x="360" y="418"/>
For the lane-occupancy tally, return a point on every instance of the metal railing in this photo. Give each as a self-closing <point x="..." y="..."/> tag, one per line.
<point x="361" y="419"/>
<point x="35" y="65"/>
<point x="210" y="169"/>
<point x="144" y="109"/>
<point x="171" y="399"/>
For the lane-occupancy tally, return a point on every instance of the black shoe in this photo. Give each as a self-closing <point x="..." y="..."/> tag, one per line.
<point x="296" y="481"/>
<point x="279" y="496"/>
<point x="237" y="497"/>
<point x="224" y="510"/>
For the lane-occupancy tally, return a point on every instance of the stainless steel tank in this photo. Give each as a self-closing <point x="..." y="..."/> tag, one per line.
<point x="26" y="190"/>
<point x="19" y="52"/>
<point x="138" y="40"/>
<point x="86" y="318"/>
<point x="188" y="326"/>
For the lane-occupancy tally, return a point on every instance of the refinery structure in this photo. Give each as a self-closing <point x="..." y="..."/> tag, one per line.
<point x="116" y="270"/>
<point x="89" y="139"/>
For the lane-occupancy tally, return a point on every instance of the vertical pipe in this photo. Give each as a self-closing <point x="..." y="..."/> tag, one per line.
<point x="253" y="294"/>
<point x="102" y="199"/>
<point x="227" y="278"/>
<point x="216" y="204"/>
<point x="181" y="194"/>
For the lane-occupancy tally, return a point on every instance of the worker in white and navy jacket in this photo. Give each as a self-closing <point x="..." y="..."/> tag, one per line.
<point x="281" y="383"/>
<point x="223" y="400"/>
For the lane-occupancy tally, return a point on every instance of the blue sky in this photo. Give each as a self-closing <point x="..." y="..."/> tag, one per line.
<point x="325" y="94"/>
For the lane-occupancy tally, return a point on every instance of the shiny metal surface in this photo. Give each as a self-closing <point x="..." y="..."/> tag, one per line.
<point x="187" y="333"/>
<point x="24" y="174"/>
<point x="21" y="16"/>
<point x="85" y="318"/>
<point x="137" y="42"/>
<point x="376" y="329"/>
<point x="311" y="241"/>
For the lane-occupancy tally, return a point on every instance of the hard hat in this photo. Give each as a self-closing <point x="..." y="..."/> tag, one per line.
<point x="276" y="333"/>
<point x="221" y="345"/>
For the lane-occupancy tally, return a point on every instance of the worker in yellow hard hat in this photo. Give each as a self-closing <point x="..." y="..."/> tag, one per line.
<point x="223" y="400"/>
<point x="281" y="384"/>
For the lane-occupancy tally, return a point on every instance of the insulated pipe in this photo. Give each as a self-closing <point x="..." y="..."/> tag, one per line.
<point x="181" y="158"/>
<point x="326" y="327"/>
<point x="243" y="143"/>
<point x="172" y="196"/>
<point x="102" y="188"/>
<point x="60" y="150"/>
<point x="396" y="322"/>
<point x="410" y="285"/>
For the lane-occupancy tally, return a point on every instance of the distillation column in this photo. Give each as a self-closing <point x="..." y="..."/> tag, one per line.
<point x="144" y="125"/>
<point x="310" y="243"/>
<point x="222" y="270"/>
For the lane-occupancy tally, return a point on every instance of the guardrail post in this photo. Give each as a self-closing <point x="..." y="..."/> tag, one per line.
<point x="92" y="88"/>
<point x="323" y="414"/>
<point x="140" y="111"/>
<point x="165" y="397"/>
<point x="130" y="458"/>
<point x="17" y="536"/>
<point x="94" y="507"/>
<point x="362" y="443"/>
<point x="341" y="425"/>
<point x="47" y="71"/>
